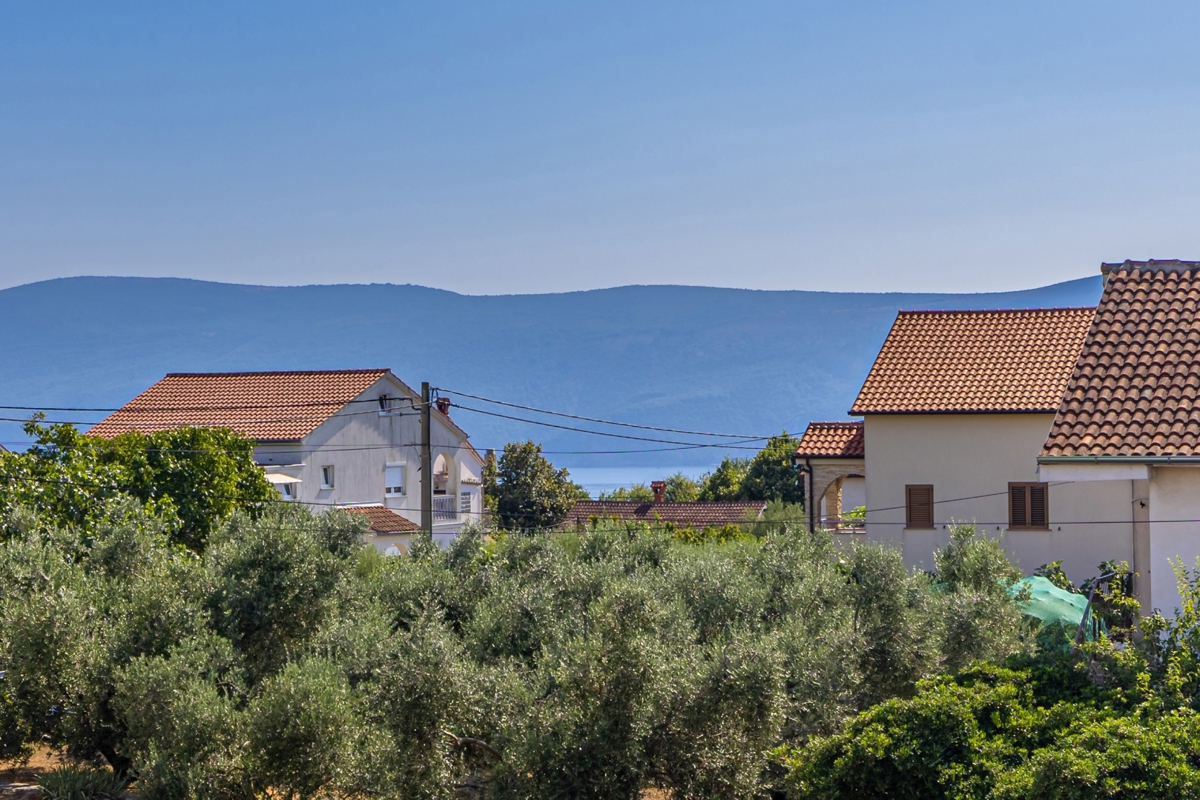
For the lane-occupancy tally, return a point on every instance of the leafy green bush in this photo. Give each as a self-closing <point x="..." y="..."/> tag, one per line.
<point x="984" y="734"/>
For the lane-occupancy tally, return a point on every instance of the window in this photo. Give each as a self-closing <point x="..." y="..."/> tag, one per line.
<point x="464" y="503"/>
<point x="326" y="477"/>
<point x="387" y="404"/>
<point x="288" y="490"/>
<point x="393" y="480"/>
<point x="918" y="502"/>
<point x="1028" y="505"/>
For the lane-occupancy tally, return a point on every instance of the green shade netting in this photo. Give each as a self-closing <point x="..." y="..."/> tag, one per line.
<point x="1049" y="604"/>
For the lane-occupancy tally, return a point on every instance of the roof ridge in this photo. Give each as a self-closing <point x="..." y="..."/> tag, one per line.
<point x="1151" y="263"/>
<point x="1049" y="309"/>
<point x="361" y="371"/>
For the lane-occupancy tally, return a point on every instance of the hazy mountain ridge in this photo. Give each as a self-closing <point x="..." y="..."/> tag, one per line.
<point x="729" y="360"/>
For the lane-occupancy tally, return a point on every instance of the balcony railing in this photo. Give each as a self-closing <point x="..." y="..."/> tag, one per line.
<point x="443" y="508"/>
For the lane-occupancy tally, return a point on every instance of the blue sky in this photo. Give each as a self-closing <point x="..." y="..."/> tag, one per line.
<point x="532" y="147"/>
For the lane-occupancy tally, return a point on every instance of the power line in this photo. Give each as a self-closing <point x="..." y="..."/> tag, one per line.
<point x="605" y="433"/>
<point x="413" y="402"/>
<point x="354" y="448"/>
<point x="595" y="419"/>
<point x="223" y="424"/>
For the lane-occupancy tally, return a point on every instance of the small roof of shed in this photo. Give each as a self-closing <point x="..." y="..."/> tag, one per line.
<point x="832" y="440"/>
<point x="383" y="520"/>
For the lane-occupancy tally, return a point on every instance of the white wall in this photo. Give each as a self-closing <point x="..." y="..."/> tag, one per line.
<point x="969" y="455"/>
<point x="854" y="493"/>
<point x="359" y="441"/>
<point x="1174" y="495"/>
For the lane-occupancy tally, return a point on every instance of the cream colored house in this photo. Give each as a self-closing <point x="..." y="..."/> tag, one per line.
<point x="325" y="438"/>
<point x="1128" y="424"/>
<point x="955" y="411"/>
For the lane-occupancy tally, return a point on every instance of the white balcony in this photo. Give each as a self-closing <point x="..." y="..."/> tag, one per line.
<point x="444" y="509"/>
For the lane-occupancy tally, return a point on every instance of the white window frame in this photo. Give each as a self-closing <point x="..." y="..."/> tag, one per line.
<point x="289" y="490"/>
<point x="466" y="503"/>
<point x="328" y="476"/>
<point x="387" y="490"/>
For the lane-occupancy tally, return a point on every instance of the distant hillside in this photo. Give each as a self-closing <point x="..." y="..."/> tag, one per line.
<point x="674" y="356"/>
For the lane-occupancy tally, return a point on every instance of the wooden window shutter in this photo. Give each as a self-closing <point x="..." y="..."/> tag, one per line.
<point x="1028" y="505"/>
<point x="918" y="506"/>
<point x="1018" y="516"/>
<point x="1038" y="516"/>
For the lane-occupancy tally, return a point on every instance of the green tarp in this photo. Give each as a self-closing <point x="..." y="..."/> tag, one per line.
<point x="1050" y="604"/>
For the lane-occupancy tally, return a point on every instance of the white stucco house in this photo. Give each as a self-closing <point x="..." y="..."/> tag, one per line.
<point x="325" y="438"/>
<point x="1069" y="434"/>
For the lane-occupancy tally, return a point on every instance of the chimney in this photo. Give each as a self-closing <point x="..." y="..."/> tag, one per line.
<point x="660" y="491"/>
<point x="443" y="405"/>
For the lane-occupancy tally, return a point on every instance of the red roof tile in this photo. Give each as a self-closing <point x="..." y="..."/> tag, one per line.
<point x="974" y="361"/>
<point x="1135" y="390"/>
<point x="383" y="520"/>
<point x="832" y="440"/>
<point x="268" y="406"/>
<point x="698" y="515"/>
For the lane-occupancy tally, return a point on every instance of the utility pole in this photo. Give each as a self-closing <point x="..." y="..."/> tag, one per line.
<point x="426" y="463"/>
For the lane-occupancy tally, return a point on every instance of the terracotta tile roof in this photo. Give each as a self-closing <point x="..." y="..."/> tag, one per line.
<point x="383" y="520"/>
<point x="832" y="440"/>
<point x="1135" y="387"/>
<point x="698" y="515"/>
<point x="974" y="361"/>
<point x="278" y="406"/>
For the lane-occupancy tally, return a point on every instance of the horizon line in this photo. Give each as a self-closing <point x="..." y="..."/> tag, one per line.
<point x="164" y="278"/>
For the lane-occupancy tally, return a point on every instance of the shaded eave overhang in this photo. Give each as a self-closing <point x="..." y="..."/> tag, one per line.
<point x="1151" y="460"/>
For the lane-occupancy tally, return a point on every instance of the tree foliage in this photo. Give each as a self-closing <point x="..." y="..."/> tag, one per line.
<point x="770" y="475"/>
<point x="530" y="493"/>
<point x="725" y="482"/>
<point x="286" y="658"/>
<point x="1114" y="717"/>
<point x="194" y="478"/>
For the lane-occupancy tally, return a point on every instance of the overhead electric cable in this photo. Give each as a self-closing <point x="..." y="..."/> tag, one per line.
<point x="595" y="419"/>
<point x="604" y="433"/>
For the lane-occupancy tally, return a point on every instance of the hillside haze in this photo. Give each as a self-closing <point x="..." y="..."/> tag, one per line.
<point x="726" y="360"/>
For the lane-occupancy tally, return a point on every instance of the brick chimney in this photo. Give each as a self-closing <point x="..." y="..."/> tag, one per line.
<point x="660" y="491"/>
<point x="443" y="405"/>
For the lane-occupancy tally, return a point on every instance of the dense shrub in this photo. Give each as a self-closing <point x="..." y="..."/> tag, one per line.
<point x="287" y="658"/>
<point x="1114" y="717"/>
<point x="983" y="734"/>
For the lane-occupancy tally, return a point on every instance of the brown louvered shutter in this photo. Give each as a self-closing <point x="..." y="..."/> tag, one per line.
<point x="1018" y="516"/>
<point x="1038" y="514"/>
<point x="1028" y="505"/>
<point x="919" y="506"/>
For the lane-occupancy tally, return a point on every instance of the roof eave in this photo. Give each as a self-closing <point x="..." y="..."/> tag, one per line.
<point x="1119" y="459"/>
<point x="841" y="457"/>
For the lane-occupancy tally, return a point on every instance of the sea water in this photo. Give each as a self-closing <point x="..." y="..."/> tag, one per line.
<point x="609" y="479"/>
